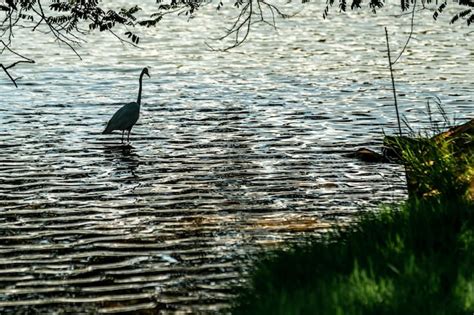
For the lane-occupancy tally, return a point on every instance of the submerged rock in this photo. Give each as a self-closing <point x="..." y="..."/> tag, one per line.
<point x="368" y="155"/>
<point x="461" y="137"/>
<point x="457" y="142"/>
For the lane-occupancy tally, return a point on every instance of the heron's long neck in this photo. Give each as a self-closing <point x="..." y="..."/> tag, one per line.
<point x="140" y="89"/>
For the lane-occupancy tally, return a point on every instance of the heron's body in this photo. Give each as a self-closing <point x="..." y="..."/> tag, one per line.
<point x="127" y="116"/>
<point x="124" y="118"/>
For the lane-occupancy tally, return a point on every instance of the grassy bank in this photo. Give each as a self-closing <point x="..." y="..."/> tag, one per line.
<point x="418" y="260"/>
<point x="415" y="258"/>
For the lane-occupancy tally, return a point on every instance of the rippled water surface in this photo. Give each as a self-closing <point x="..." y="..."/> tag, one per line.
<point x="233" y="152"/>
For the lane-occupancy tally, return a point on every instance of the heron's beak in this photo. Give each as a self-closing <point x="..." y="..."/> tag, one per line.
<point x="148" y="75"/>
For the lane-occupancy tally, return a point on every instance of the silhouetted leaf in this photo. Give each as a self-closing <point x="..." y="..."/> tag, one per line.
<point x="26" y="17"/>
<point x="468" y="3"/>
<point x="60" y="6"/>
<point x="460" y="15"/>
<point x="470" y="20"/>
<point x="342" y="5"/>
<point x="325" y="13"/>
<point x="404" y="4"/>
<point x="465" y="13"/>
<point x="355" y="4"/>
<point x="375" y="4"/>
<point x="134" y="38"/>
<point x="238" y="3"/>
<point x="152" y="22"/>
<point x="439" y="10"/>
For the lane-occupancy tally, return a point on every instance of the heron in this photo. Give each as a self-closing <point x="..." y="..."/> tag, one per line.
<point x="126" y="117"/>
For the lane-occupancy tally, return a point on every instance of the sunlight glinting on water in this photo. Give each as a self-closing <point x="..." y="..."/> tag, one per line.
<point x="233" y="152"/>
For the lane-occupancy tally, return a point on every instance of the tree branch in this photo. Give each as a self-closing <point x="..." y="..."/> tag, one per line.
<point x="243" y="23"/>
<point x="411" y="33"/>
<point x="6" y="68"/>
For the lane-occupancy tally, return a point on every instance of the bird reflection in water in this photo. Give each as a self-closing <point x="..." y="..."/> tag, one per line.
<point x="125" y="160"/>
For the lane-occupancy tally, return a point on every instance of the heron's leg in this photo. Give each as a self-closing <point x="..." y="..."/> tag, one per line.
<point x="128" y="136"/>
<point x="123" y="131"/>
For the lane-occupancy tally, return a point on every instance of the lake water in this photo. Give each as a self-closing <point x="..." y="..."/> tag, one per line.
<point x="234" y="152"/>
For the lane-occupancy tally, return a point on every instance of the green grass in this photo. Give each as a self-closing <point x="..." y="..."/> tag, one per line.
<point x="418" y="259"/>
<point x="415" y="258"/>
<point x="444" y="167"/>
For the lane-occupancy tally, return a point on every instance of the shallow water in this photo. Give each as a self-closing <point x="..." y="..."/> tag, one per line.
<point x="233" y="152"/>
